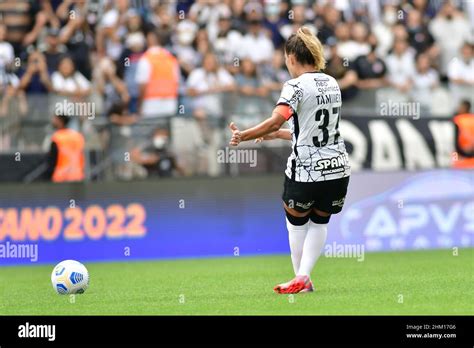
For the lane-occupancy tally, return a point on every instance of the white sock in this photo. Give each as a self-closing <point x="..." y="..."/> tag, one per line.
<point x="313" y="246"/>
<point x="296" y="236"/>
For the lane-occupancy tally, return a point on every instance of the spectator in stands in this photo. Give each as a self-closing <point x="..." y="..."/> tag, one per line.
<point x="216" y="11"/>
<point x="468" y="8"/>
<point x="65" y="160"/>
<point x="347" y="48"/>
<point x="275" y="75"/>
<point x="78" y="38"/>
<point x="69" y="82"/>
<point x="255" y="44"/>
<point x="118" y="115"/>
<point x="343" y="71"/>
<point x="400" y="33"/>
<point x="54" y="50"/>
<point x="7" y="57"/>
<point x="119" y="140"/>
<point x="111" y="28"/>
<point x="206" y="86"/>
<point x="419" y="36"/>
<point x="332" y="18"/>
<point x="8" y="91"/>
<point x="274" y="20"/>
<point x="201" y="11"/>
<point x="383" y="29"/>
<point x="128" y="65"/>
<point x="133" y="25"/>
<point x="201" y="46"/>
<point x="68" y="7"/>
<point x="426" y="8"/>
<point x="112" y="89"/>
<point x="183" y="48"/>
<point x="36" y="83"/>
<point x="450" y="29"/>
<point x="44" y="17"/>
<point x="227" y="43"/>
<point x="161" y="21"/>
<point x="8" y="79"/>
<point x="425" y="80"/>
<point x="252" y="93"/>
<point x="158" y="77"/>
<point x="7" y="53"/>
<point x="18" y="17"/>
<point x="133" y="22"/>
<point x="400" y="66"/>
<point x="363" y="11"/>
<point x="342" y="41"/>
<point x="156" y="157"/>
<point x="298" y="19"/>
<point x="238" y="15"/>
<point x="360" y="35"/>
<point x="70" y="86"/>
<point x="461" y="74"/>
<point x="370" y="69"/>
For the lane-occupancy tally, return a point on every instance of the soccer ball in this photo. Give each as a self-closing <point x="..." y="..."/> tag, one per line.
<point x="70" y="277"/>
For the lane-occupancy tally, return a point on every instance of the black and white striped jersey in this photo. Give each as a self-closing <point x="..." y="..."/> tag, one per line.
<point x="319" y="152"/>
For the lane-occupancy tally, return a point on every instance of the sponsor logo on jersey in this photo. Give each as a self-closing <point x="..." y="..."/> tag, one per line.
<point x="296" y="96"/>
<point x="332" y="165"/>
<point x="304" y="205"/>
<point x="338" y="203"/>
<point x="321" y="82"/>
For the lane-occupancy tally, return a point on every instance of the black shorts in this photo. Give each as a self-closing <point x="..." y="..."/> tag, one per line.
<point x="327" y="196"/>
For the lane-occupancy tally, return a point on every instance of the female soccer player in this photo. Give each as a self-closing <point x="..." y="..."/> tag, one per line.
<point x="318" y="170"/>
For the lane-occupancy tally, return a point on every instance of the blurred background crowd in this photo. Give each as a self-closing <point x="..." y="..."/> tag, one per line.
<point x="151" y="84"/>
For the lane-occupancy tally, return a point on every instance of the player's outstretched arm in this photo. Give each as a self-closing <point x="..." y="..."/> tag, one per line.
<point x="267" y="127"/>
<point x="284" y="134"/>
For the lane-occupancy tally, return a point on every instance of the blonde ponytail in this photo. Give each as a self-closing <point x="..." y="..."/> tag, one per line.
<point x="313" y="44"/>
<point x="306" y="48"/>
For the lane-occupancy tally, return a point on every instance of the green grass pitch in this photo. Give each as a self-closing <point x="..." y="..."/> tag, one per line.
<point x="410" y="283"/>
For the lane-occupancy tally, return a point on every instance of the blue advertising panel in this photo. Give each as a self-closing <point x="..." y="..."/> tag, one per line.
<point x="143" y="220"/>
<point x="426" y="210"/>
<point x="225" y="217"/>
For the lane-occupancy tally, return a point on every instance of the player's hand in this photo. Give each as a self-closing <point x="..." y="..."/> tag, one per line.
<point x="236" y="135"/>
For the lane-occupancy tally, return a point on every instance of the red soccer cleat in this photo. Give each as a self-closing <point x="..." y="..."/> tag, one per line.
<point x="308" y="288"/>
<point x="298" y="284"/>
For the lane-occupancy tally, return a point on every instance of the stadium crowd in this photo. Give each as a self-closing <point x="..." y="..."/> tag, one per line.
<point x="143" y="61"/>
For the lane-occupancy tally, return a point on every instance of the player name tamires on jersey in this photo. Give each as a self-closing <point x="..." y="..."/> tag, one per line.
<point x="318" y="151"/>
